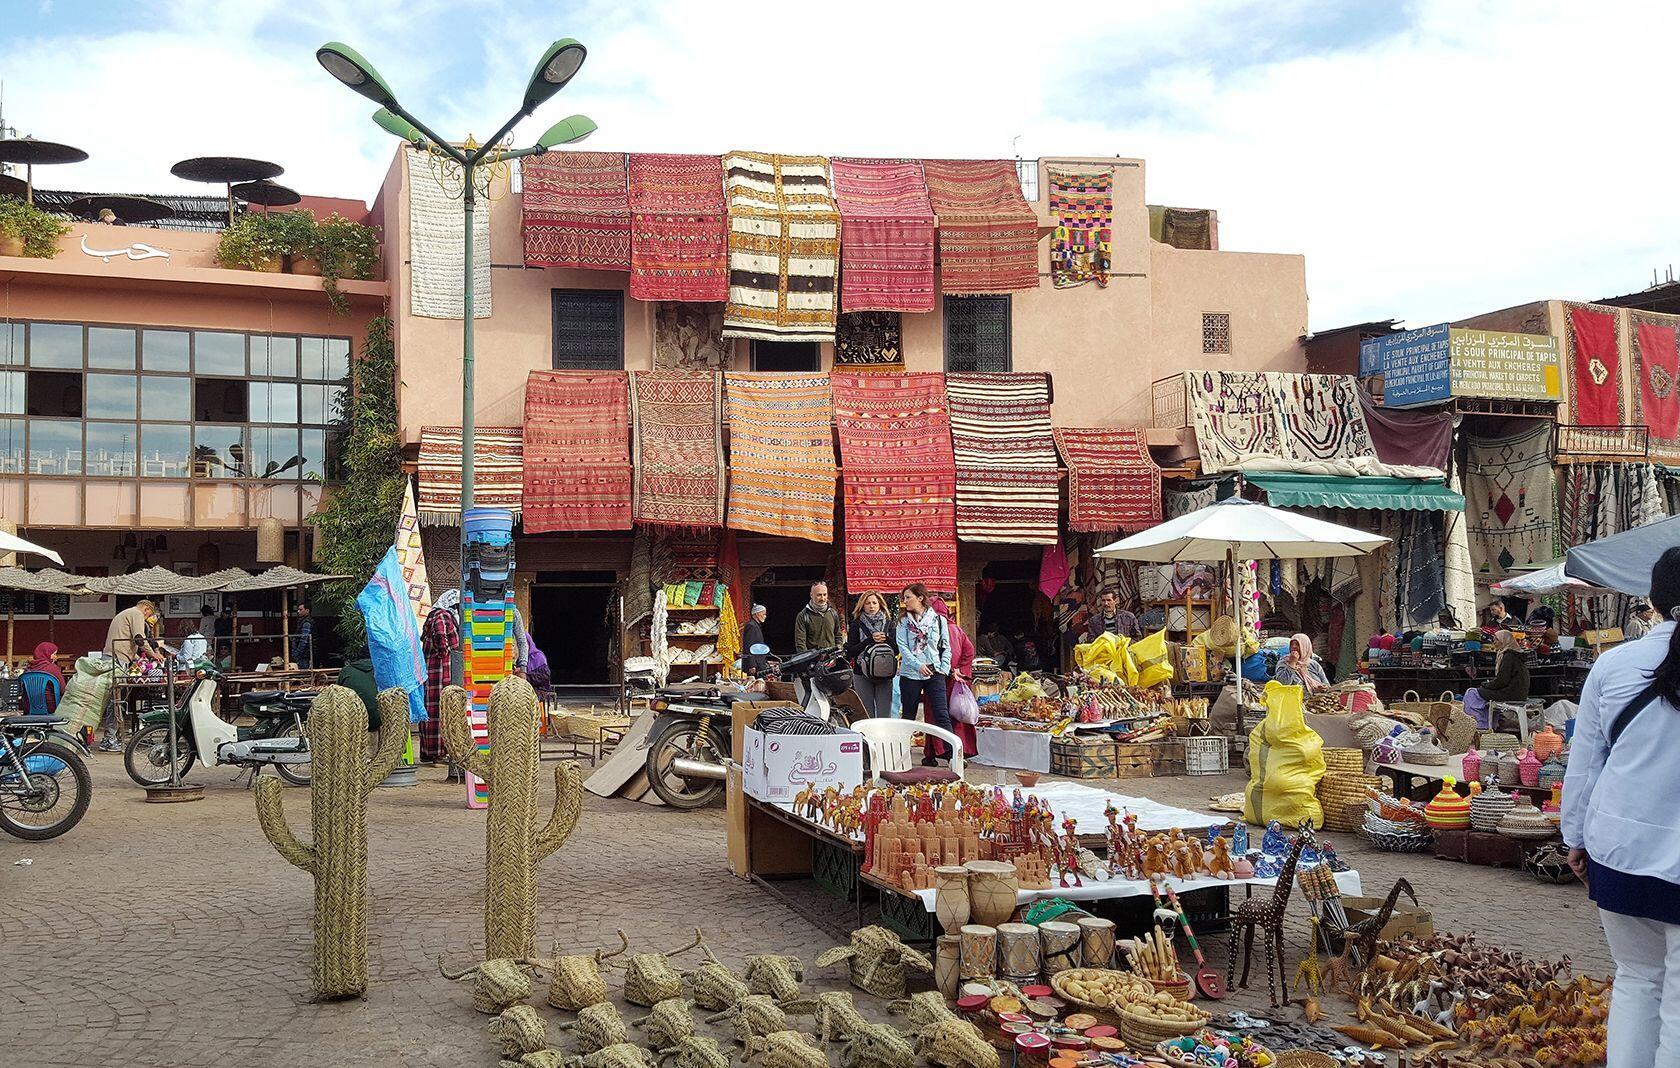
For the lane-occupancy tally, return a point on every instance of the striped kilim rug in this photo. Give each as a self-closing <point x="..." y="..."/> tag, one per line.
<point x="781" y="455"/>
<point x="575" y="210"/>
<point x="577" y="451"/>
<point x="1113" y="483"/>
<point x="988" y="235"/>
<point x="1008" y="487"/>
<point x="678" y="447"/>
<point x="886" y="235"/>
<point x="677" y="249"/>
<point x="497" y="471"/>
<point x="784" y="247"/>
<point x="899" y="479"/>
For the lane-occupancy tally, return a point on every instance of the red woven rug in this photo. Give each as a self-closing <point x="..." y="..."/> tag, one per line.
<point x="677" y="241"/>
<point x="496" y="471"/>
<point x="1008" y="487"/>
<point x="886" y="235"/>
<point x="1113" y="483"/>
<point x="576" y="211"/>
<point x="988" y="236"/>
<point x="577" y="451"/>
<point x="899" y="481"/>
<point x="678" y="447"/>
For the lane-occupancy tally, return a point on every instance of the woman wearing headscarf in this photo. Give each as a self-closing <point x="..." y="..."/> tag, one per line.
<point x="1299" y="668"/>
<point x="42" y="682"/>
<point x="962" y="671"/>
<point x="924" y="663"/>
<point x="1509" y="682"/>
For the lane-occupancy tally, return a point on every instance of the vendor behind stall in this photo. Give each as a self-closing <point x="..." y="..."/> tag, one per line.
<point x="1510" y="679"/>
<point x="1299" y="668"/>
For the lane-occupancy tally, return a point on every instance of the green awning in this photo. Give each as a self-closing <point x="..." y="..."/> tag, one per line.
<point x="1291" y="490"/>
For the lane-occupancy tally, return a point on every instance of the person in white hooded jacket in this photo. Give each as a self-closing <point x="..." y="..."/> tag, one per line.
<point x="1621" y="820"/>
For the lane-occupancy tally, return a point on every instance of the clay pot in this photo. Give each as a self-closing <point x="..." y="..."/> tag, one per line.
<point x="947" y="964"/>
<point x="11" y="245"/>
<point x="950" y="899"/>
<point x="992" y="886"/>
<point x="1027" y="779"/>
<point x="304" y="265"/>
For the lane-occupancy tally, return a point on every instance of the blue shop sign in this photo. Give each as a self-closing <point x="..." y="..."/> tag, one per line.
<point x="1416" y="366"/>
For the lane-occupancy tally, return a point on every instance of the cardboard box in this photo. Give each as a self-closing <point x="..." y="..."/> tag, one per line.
<point x="775" y="767"/>
<point x="1193" y="663"/>
<point x="1406" y="918"/>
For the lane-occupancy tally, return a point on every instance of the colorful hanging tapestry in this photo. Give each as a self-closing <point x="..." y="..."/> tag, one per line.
<point x="869" y="341"/>
<point x="1656" y="364"/>
<point x="784" y="247"/>
<point x="1080" y="247"/>
<point x="886" y="235"/>
<point x="575" y="210"/>
<point x="988" y="235"/>
<point x="577" y="449"/>
<point x="677" y="246"/>
<point x="689" y="337"/>
<point x="1008" y="485"/>
<point x="1595" y="374"/>
<point x="498" y="471"/>
<point x="1508" y="491"/>
<point x="411" y="554"/>
<point x="899" y="479"/>
<point x="1277" y="421"/>
<point x="1598" y="500"/>
<point x="678" y="447"/>
<point x="436" y="248"/>
<point x="1232" y="414"/>
<point x="781" y="454"/>
<point x="1113" y="483"/>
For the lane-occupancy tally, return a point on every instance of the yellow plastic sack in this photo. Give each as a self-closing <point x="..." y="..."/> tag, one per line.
<point x="1108" y="655"/>
<point x="1149" y="653"/>
<point x="1285" y="762"/>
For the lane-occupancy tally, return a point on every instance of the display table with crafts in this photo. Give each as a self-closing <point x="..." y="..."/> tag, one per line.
<point x="1548" y="679"/>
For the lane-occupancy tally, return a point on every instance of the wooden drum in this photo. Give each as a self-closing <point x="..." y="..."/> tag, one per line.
<point x="978" y="951"/>
<point x="1096" y="941"/>
<point x="1060" y="946"/>
<point x="1018" y="951"/>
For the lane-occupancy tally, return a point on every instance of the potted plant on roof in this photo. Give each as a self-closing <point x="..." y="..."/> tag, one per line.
<point x="26" y="230"/>
<point x="342" y="248"/>
<point x="261" y="240"/>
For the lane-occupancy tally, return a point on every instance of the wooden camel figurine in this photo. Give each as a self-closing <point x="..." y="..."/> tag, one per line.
<point x="1267" y="916"/>
<point x="1365" y="934"/>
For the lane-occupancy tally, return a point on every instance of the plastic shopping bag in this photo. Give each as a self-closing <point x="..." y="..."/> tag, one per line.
<point x="964" y="708"/>
<point x="1285" y="762"/>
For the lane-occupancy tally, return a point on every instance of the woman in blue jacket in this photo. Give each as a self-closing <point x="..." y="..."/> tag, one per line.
<point x="924" y="664"/>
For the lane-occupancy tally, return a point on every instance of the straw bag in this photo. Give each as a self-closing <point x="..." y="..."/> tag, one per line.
<point x="1343" y="798"/>
<point x="1414" y="709"/>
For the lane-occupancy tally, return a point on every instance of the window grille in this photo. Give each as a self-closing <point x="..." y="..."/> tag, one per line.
<point x="977" y="333"/>
<point x="1216" y="333"/>
<point x="588" y="330"/>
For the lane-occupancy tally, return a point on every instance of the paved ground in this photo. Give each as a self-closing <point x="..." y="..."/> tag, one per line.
<point x="175" y="936"/>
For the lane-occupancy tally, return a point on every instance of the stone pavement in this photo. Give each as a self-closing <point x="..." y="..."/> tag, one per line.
<point x="174" y="936"/>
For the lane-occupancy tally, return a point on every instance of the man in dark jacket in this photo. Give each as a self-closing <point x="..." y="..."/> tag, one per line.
<point x="818" y="625"/>
<point x="753" y="634"/>
<point x="1110" y="617"/>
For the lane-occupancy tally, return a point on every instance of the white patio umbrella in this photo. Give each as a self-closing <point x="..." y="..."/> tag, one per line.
<point x="1237" y="529"/>
<point x="11" y="543"/>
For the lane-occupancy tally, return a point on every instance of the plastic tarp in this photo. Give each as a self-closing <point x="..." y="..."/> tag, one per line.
<point x="1546" y="580"/>
<point x="1623" y="562"/>
<point x="1285" y="762"/>
<point x="1290" y="490"/>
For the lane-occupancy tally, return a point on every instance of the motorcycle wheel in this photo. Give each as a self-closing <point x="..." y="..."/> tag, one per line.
<point x="682" y="738"/>
<point x="296" y="774"/>
<point x="146" y="757"/>
<point x="42" y="812"/>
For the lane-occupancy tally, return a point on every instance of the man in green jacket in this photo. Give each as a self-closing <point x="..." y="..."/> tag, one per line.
<point x="818" y="625"/>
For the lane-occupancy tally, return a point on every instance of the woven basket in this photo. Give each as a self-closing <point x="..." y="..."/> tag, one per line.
<point x="1501" y="741"/>
<point x="1341" y="761"/>
<point x="588" y="727"/>
<point x="1107" y="1014"/>
<point x="1305" y="1058"/>
<point x="1345" y="817"/>
<point x="1179" y="988"/>
<point x="1144" y="1031"/>
<point x="1460" y="731"/>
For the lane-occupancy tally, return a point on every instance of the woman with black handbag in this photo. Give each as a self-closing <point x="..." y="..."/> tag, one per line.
<point x="872" y="647"/>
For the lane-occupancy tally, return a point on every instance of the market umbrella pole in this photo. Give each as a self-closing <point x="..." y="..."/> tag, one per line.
<point x="285" y="628"/>
<point x="1236" y="614"/>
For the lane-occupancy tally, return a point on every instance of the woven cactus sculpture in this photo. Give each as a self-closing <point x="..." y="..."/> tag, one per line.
<point x="342" y="777"/>
<point x="513" y="844"/>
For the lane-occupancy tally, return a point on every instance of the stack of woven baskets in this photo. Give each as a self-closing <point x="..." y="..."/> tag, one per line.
<point x="1343" y="790"/>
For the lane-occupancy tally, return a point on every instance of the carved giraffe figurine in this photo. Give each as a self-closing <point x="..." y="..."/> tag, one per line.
<point x="1267" y="916"/>
<point x="1365" y="935"/>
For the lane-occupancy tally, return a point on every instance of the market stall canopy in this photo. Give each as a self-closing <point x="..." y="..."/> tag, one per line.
<point x="1291" y="490"/>
<point x="46" y="580"/>
<point x="11" y="543"/>
<point x="1546" y="580"/>
<point x="1245" y="530"/>
<point x="1622" y="562"/>
<point x="279" y="578"/>
<point x="156" y="582"/>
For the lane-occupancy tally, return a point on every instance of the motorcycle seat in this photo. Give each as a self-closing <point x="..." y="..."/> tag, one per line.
<point x="30" y="721"/>
<point x="261" y="697"/>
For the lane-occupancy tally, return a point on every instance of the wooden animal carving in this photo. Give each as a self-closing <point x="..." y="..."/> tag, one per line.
<point x="1266" y="916"/>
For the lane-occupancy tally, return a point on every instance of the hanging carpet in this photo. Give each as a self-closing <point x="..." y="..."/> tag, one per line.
<point x="1113" y="483"/>
<point x="886" y="235"/>
<point x="1508" y="489"/>
<point x="575" y="210"/>
<point x="988" y="234"/>
<point x="1655" y="359"/>
<point x="689" y="337"/>
<point x="781" y="454"/>
<point x="577" y="450"/>
<point x="1082" y="243"/>
<point x="784" y="247"/>
<point x="869" y="341"/>
<point x="678" y="447"/>
<point x="677" y="244"/>
<point x="899" y="479"/>
<point x="497" y="471"/>
<point x="1008" y="487"/>
<point x="436" y="248"/>
<point x="1595" y="373"/>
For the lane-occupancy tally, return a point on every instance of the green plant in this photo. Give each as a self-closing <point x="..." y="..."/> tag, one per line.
<point x="358" y="517"/>
<point x="38" y="230"/>
<point x="343" y="249"/>
<point x="258" y="239"/>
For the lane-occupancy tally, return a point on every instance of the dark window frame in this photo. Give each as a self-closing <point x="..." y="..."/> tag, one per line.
<point x="597" y="361"/>
<point x="954" y="300"/>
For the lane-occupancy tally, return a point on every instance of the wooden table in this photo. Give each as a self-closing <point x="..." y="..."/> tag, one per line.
<point x="782" y="846"/>
<point x="1549" y="680"/>
<point x="239" y="682"/>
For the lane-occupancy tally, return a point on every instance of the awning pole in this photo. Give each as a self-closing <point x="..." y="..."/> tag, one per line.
<point x="285" y="628"/>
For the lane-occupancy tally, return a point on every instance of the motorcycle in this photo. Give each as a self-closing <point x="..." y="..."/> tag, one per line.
<point x="45" y="788"/>
<point x="270" y="729"/>
<point x="690" y="745"/>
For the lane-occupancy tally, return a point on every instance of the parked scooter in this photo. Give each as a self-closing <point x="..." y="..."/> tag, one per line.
<point x="691" y="741"/>
<point x="270" y="728"/>
<point x="45" y="788"/>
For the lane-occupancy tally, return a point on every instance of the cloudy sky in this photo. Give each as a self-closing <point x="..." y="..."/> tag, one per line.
<point x="1431" y="159"/>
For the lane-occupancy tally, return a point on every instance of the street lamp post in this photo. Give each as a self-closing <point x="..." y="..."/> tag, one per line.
<point x="559" y="64"/>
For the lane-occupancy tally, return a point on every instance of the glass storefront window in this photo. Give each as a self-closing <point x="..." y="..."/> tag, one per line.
<point x="338" y="359"/>
<point x="313" y="447"/>
<point x="274" y="402"/>
<point x="314" y="353"/>
<point x="219" y="452"/>
<point x="217" y="353"/>
<point x="272" y="448"/>
<point x="282" y="357"/>
<point x="12" y="392"/>
<point x="165" y="451"/>
<point x="110" y="397"/>
<point x="13" y="342"/>
<point x="110" y="346"/>
<point x="164" y="350"/>
<point x="55" y="446"/>
<point x="55" y="345"/>
<point x="111" y="448"/>
<point x="165" y="398"/>
<point x="11" y="446"/>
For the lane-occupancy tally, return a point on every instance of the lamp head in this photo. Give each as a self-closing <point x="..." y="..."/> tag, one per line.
<point x="392" y="123"/>
<point x="566" y="131"/>
<point x="347" y="65"/>
<point x="557" y="67"/>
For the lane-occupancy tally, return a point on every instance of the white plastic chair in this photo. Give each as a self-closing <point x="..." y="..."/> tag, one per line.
<point x="889" y="743"/>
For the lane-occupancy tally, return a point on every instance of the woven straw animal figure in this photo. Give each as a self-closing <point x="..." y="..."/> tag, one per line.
<point x="754" y="1016"/>
<point x="776" y="975"/>
<point x="715" y="987"/>
<point x="497" y="984"/>
<point x="547" y="1058"/>
<point x="787" y="1049"/>
<point x="336" y="856"/>
<point x="956" y="1043"/>
<point x="513" y="845"/>
<point x="836" y="1014"/>
<point x="667" y="1024"/>
<point x="924" y="1009"/>
<point x="575" y="979"/>
<point x="877" y="960"/>
<point x="696" y="1052"/>
<point x="519" y="1030"/>
<point x="879" y="1046"/>
<point x="597" y="1027"/>
<point x="622" y="1055"/>
<point x="649" y="977"/>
